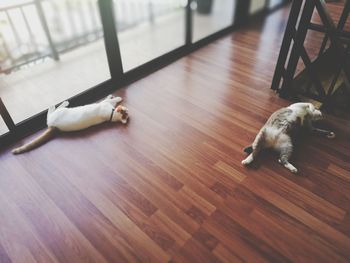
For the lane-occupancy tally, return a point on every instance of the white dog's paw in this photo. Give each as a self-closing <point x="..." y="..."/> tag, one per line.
<point x="247" y="160"/>
<point x="64" y="104"/>
<point x="331" y="135"/>
<point x="291" y="168"/>
<point x="294" y="170"/>
<point x="118" y="99"/>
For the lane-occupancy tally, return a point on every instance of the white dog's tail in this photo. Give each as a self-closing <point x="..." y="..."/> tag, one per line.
<point x="43" y="138"/>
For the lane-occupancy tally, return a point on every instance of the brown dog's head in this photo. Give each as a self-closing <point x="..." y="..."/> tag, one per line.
<point x="314" y="113"/>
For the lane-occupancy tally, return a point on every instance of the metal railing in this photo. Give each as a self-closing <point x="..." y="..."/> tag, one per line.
<point x="33" y="31"/>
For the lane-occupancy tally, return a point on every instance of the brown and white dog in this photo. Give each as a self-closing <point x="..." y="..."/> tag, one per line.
<point x="276" y="133"/>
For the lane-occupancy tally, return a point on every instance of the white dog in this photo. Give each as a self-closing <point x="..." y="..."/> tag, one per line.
<point x="78" y="118"/>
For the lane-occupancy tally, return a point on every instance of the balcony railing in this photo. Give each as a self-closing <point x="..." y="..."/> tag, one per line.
<point x="35" y="30"/>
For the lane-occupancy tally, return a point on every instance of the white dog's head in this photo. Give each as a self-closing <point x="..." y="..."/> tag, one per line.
<point x="120" y="114"/>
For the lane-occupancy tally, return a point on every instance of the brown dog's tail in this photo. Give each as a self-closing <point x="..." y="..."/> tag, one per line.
<point x="43" y="138"/>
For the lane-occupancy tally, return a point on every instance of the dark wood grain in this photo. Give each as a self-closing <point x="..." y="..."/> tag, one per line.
<point x="169" y="186"/>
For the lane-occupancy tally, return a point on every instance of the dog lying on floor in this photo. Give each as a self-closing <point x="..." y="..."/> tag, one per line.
<point x="277" y="131"/>
<point x="78" y="118"/>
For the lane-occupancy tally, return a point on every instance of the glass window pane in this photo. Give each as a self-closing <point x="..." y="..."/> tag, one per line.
<point x="256" y="6"/>
<point x="210" y="16"/>
<point x="3" y="127"/>
<point x="50" y="50"/>
<point x="148" y="29"/>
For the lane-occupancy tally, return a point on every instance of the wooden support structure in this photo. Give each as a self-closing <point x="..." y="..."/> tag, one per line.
<point x="293" y="45"/>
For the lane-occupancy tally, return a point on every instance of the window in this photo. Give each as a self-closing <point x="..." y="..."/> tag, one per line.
<point x="51" y="50"/>
<point x="3" y="127"/>
<point x="256" y="6"/>
<point x="210" y="16"/>
<point x="148" y="29"/>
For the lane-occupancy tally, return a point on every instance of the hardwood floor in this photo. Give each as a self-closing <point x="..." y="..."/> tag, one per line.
<point x="169" y="186"/>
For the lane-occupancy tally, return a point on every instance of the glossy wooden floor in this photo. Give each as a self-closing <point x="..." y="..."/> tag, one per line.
<point x="169" y="186"/>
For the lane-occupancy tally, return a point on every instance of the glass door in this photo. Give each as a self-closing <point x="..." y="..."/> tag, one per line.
<point x="50" y="50"/>
<point x="210" y="16"/>
<point x="256" y="6"/>
<point x="148" y="29"/>
<point x="3" y="127"/>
